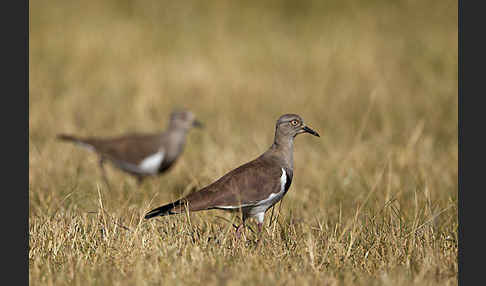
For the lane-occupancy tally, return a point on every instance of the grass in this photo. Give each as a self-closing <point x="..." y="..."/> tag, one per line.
<point x="373" y="200"/>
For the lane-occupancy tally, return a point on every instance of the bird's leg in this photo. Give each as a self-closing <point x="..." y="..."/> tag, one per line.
<point x="260" y="217"/>
<point x="259" y="234"/>
<point x="103" y="173"/>
<point x="260" y="226"/>
<point x="238" y="230"/>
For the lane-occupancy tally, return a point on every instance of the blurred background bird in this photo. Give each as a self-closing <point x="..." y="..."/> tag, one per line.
<point x="142" y="154"/>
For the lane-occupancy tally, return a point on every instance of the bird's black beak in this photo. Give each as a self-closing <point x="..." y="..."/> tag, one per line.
<point x="198" y="124"/>
<point x="309" y="130"/>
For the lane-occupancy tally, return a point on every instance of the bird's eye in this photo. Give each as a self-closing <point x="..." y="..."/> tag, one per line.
<point x="294" y="122"/>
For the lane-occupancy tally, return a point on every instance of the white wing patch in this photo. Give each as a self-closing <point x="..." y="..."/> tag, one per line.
<point x="232" y="207"/>
<point x="152" y="163"/>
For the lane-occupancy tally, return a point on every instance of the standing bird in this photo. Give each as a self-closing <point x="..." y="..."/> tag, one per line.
<point x="142" y="155"/>
<point x="253" y="187"/>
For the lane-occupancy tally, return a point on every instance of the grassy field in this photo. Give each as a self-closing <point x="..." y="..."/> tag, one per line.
<point x="373" y="200"/>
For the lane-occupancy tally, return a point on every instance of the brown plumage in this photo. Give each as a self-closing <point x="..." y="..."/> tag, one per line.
<point x="141" y="154"/>
<point x="253" y="187"/>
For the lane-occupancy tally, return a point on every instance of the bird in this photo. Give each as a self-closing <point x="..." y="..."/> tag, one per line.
<point x="251" y="188"/>
<point x="142" y="154"/>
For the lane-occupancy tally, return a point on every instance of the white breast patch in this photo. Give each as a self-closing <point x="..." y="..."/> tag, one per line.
<point x="152" y="163"/>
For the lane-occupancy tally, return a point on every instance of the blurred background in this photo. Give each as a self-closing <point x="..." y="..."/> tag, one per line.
<point x="367" y="75"/>
<point x="377" y="79"/>
<point x="99" y="67"/>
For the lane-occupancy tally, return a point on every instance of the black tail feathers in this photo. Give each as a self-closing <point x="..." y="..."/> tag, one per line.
<point x="163" y="210"/>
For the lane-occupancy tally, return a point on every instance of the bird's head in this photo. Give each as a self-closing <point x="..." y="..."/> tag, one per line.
<point x="184" y="120"/>
<point x="290" y="125"/>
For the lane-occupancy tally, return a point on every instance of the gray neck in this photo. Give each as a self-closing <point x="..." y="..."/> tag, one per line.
<point x="176" y="140"/>
<point x="283" y="147"/>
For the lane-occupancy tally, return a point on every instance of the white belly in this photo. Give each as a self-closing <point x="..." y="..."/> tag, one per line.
<point x="152" y="163"/>
<point x="149" y="166"/>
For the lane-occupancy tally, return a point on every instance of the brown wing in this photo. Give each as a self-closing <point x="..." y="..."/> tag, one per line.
<point x="245" y="185"/>
<point x="131" y="148"/>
